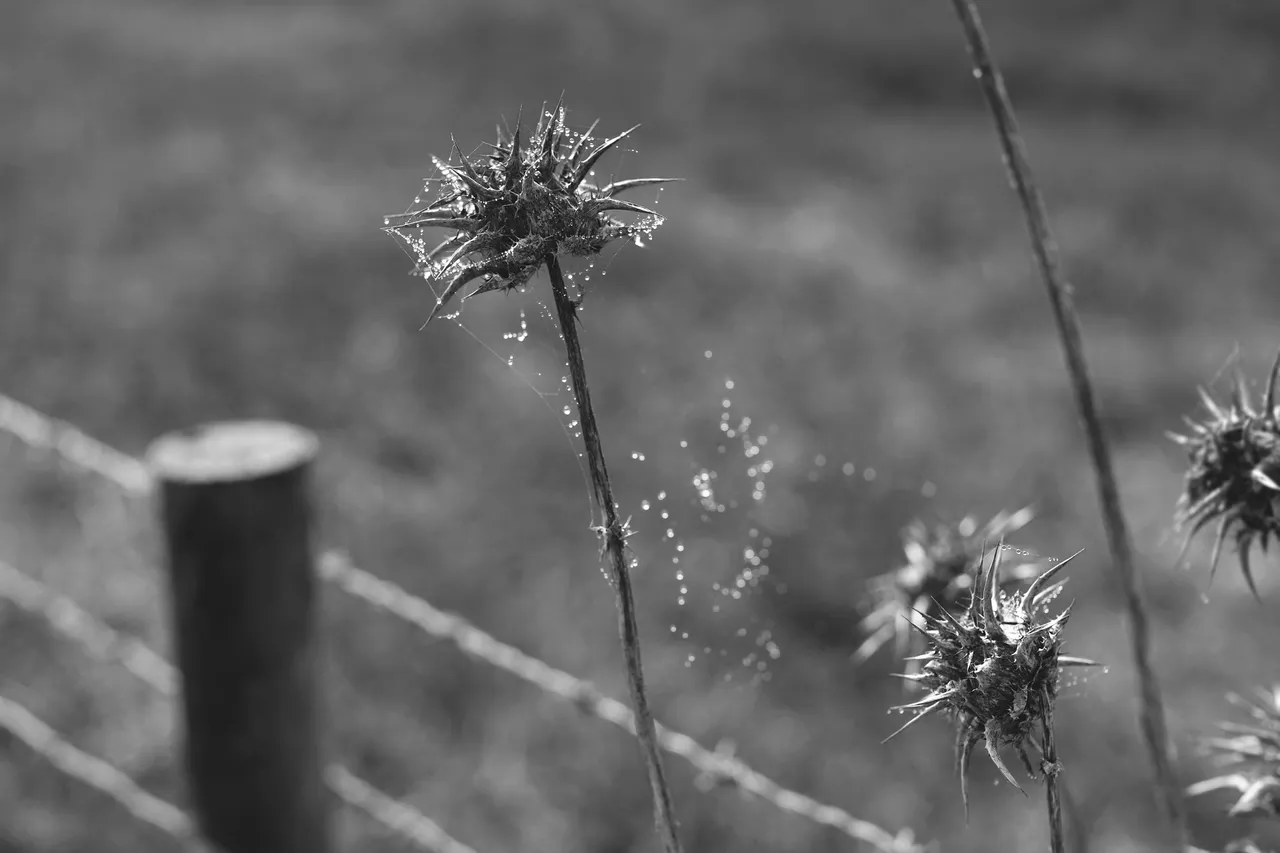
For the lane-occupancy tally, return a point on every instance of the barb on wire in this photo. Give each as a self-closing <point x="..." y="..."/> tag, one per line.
<point x="130" y="474"/>
<point x="36" y="429"/>
<point x="405" y="821"/>
<point x="151" y="668"/>
<point x="101" y="776"/>
<point x="717" y="766"/>
<point x="94" y="636"/>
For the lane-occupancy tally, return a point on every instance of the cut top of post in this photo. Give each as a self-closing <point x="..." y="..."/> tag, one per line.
<point x="231" y="451"/>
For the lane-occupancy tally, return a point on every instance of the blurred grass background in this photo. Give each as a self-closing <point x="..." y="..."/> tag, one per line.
<point x="190" y="196"/>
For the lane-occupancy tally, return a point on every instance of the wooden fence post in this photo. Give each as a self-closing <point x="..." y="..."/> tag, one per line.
<point x="237" y="527"/>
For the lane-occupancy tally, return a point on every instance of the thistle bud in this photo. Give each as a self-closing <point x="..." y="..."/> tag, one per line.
<point x="1234" y="476"/>
<point x="517" y="206"/>
<point x="935" y="577"/>
<point x="994" y="668"/>
<point x="1251" y="751"/>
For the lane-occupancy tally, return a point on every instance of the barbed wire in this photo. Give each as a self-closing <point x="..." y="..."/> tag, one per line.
<point x="44" y="432"/>
<point x="93" y="636"/>
<point x="715" y="767"/>
<point x="105" y="643"/>
<point x="101" y="776"/>
<point x="400" y="818"/>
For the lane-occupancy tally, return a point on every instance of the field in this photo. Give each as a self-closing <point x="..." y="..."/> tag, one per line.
<point x="191" y="197"/>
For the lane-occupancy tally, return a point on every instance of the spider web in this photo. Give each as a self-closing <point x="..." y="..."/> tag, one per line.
<point x="705" y="537"/>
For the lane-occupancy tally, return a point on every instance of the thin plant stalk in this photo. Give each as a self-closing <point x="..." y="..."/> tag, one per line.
<point x="1151" y="715"/>
<point x="1053" y="798"/>
<point x="615" y="545"/>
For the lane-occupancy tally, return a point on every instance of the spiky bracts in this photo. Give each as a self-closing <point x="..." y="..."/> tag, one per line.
<point x="936" y="575"/>
<point x="1234" y="476"/>
<point x="517" y="206"/>
<point x="994" y="668"/>
<point x="1251" y="751"/>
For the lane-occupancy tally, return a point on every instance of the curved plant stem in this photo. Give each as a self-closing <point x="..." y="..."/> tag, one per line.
<point x="614" y="544"/>
<point x="1151" y="720"/>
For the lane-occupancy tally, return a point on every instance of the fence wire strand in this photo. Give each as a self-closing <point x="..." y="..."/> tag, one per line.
<point x="105" y="643"/>
<point x="401" y="819"/>
<point x="716" y="766"/>
<point x="43" y="432"/>
<point x="100" y="775"/>
<point x="95" y="637"/>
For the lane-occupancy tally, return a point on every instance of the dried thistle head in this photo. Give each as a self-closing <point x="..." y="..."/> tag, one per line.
<point x="517" y="206"/>
<point x="935" y="576"/>
<point x="1252" y="752"/>
<point x="1235" y="474"/>
<point x="994" y="668"/>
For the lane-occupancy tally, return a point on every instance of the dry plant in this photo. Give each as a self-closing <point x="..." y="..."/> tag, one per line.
<point x="994" y="669"/>
<point x="1151" y="711"/>
<point x="1251" y="753"/>
<point x="936" y="576"/>
<point x="514" y="211"/>
<point x="1235" y="473"/>
<point x="992" y="665"/>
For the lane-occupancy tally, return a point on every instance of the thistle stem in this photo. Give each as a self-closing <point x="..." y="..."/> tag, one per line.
<point x="1151" y="718"/>
<point x="628" y="628"/>
<point x="1053" y="799"/>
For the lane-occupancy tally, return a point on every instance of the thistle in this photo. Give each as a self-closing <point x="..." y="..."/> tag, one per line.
<point x="1251" y="751"/>
<point x="1234" y="475"/>
<point x="994" y="669"/>
<point x="935" y="577"/>
<point x="518" y="211"/>
<point x="517" y="206"/>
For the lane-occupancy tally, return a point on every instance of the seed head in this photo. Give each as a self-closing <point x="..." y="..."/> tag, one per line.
<point x="935" y="576"/>
<point x="994" y="668"/>
<point x="1252" y="752"/>
<point x="1234" y="475"/>
<point x="518" y="205"/>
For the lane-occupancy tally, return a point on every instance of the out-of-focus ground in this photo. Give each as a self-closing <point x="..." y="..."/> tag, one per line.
<point x="190" y="196"/>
